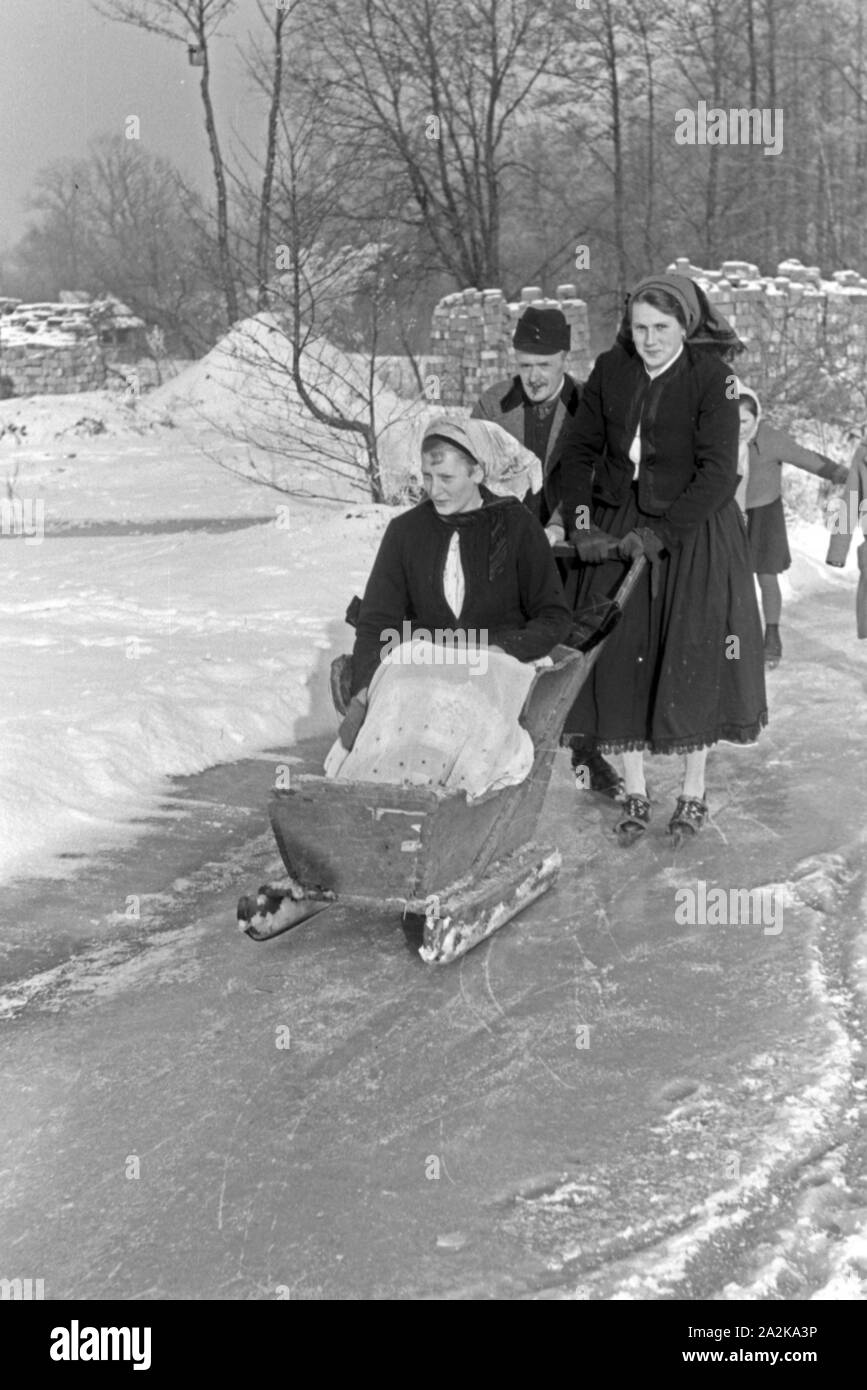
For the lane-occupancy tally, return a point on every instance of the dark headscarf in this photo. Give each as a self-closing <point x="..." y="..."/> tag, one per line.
<point x="705" y="325"/>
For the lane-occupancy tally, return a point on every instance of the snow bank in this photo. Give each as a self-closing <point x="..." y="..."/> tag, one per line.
<point x="128" y="659"/>
<point x="77" y="416"/>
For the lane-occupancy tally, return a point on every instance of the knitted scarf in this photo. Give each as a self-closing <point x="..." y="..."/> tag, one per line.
<point x="492" y="514"/>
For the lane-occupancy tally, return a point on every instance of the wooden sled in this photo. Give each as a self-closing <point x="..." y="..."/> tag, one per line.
<point x="466" y="867"/>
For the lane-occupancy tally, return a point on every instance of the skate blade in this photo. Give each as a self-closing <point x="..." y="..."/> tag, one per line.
<point x="681" y="834"/>
<point x="629" y="835"/>
<point x="255" y="921"/>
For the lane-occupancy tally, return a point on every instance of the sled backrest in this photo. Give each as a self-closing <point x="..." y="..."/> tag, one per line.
<point x="551" y="696"/>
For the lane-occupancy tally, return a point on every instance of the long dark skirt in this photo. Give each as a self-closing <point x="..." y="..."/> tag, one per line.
<point x="769" y="543"/>
<point x="686" y="668"/>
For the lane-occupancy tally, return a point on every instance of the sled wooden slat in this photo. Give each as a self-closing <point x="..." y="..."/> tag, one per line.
<point x="460" y="919"/>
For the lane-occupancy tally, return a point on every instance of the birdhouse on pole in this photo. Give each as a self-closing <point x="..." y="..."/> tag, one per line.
<point x="196" y="55"/>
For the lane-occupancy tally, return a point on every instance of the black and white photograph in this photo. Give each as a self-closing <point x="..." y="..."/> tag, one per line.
<point x="433" y="664"/>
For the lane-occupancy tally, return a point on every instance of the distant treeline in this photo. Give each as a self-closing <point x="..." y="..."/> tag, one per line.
<point x="411" y="147"/>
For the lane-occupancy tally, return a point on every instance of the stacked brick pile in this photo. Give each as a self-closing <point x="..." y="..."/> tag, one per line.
<point x="20" y="323"/>
<point x="796" y="324"/>
<point x="471" y="340"/>
<point x="59" y="348"/>
<point x="37" y="370"/>
<point x="49" y="349"/>
<point x="805" y="334"/>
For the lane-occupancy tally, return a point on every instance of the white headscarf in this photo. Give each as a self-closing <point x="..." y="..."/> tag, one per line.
<point x="744" y="442"/>
<point x="510" y="469"/>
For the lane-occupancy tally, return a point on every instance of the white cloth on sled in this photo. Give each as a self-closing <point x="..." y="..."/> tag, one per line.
<point x="448" y="725"/>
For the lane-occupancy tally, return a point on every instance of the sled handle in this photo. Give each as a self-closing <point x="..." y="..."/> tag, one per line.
<point x="636" y="569"/>
<point x="564" y="551"/>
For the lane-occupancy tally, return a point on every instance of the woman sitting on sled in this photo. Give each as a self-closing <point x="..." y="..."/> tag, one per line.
<point x="452" y="705"/>
<point x="464" y="585"/>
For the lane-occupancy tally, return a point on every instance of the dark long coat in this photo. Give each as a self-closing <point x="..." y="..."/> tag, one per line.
<point x="685" y="667"/>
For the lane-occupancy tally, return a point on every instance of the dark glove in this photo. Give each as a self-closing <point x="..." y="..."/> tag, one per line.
<point x="353" y="720"/>
<point x="643" y="541"/>
<point x="594" y="545"/>
<point x="631" y="546"/>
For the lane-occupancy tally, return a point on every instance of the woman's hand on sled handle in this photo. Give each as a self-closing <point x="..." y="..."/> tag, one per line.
<point x="643" y="541"/>
<point x="353" y="720"/>
<point x="593" y="545"/>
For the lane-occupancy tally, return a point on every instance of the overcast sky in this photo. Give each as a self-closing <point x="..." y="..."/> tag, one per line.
<point x="66" y="75"/>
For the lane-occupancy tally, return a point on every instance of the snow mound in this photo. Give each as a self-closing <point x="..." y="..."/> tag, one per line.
<point x="244" y="387"/>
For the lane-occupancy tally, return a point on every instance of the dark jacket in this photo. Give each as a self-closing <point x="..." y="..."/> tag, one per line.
<point x="689" y="440"/>
<point x="504" y="403"/>
<point x="513" y="591"/>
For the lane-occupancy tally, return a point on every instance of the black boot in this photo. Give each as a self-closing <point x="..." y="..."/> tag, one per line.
<point x="594" y="773"/>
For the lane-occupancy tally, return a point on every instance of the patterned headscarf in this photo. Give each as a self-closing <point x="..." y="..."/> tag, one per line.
<point x="510" y="469"/>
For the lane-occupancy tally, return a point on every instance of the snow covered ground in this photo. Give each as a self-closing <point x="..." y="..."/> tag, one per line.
<point x="175" y="616"/>
<point x="128" y="657"/>
<point x="133" y="651"/>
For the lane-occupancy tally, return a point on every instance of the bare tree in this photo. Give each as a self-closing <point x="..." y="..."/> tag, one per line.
<point x="318" y="280"/>
<point x="606" y="38"/>
<point x="113" y="222"/>
<point x="193" y="23"/>
<point x="430" y="91"/>
<point x="647" y="28"/>
<point x="57" y="249"/>
<point x="268" y="74"/>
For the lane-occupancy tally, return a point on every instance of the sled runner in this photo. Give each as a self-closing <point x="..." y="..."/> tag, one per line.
<point x="465" y="867"/>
